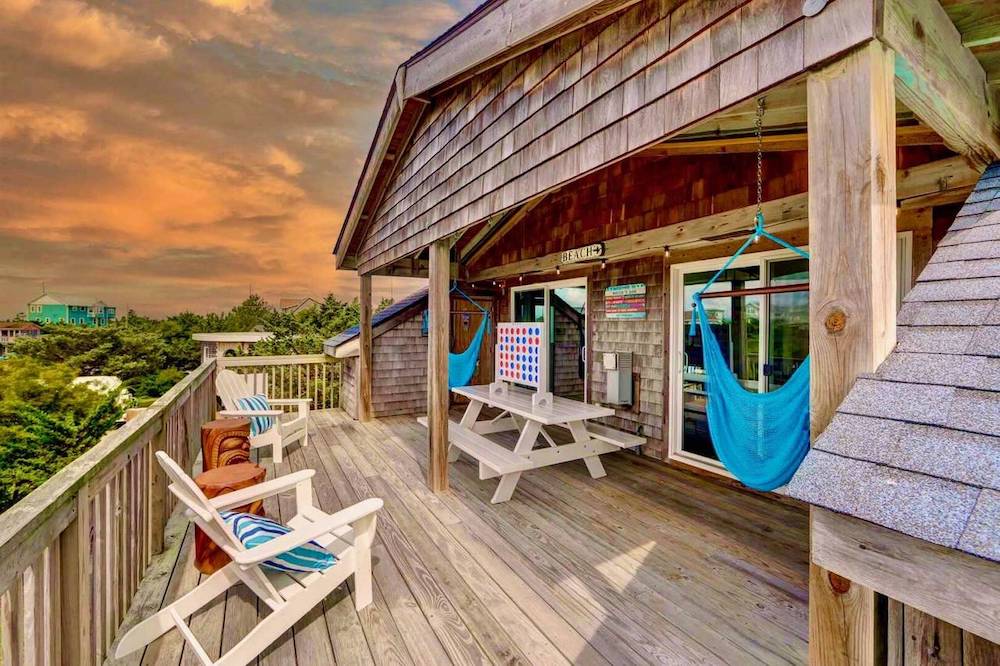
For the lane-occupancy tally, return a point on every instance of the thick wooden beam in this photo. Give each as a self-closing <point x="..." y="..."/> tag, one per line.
<point x="939" y="79"/>
<point x="852" y="296"/>
<point x="788" y="212"/>
<point x="504" y="30"/>
<point x="958" y="588"/>
<point x="942" y="181"/>
<point x="437" y="365"/>
<point x="501" y="229"/>
<point x="365" y="411"/>
<point x="907" y="135"/>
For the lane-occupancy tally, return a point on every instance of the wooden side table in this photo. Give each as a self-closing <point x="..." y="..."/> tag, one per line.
<point x="208" y="557"/>
<point x="225" y="442"/>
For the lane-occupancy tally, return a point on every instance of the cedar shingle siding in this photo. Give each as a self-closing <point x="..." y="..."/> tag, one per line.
<point x="399" y="373"/>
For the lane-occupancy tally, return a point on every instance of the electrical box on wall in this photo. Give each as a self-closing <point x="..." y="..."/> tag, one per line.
<point x="618" y="368"/>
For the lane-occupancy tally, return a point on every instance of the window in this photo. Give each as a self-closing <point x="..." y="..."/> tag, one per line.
<point x="764" y="335"/>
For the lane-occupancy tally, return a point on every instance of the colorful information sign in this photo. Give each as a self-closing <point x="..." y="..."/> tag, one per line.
<point x="519" y="353"/>
<point x="625" y="301"/>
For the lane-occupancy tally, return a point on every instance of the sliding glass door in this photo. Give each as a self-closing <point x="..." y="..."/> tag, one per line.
<point x="758" y="311"/>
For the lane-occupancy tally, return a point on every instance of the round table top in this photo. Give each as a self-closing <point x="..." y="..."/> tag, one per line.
<point x="231" y="476"/>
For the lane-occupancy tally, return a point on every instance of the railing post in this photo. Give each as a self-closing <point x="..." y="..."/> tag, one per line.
<point x="365" y="350"/>
<point x="75" y="580"/>
<point x="157" y="490"/>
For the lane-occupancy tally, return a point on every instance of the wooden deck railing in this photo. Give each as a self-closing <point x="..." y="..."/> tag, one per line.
<point x="73" y="552"/>
<point x="306" y="376"/>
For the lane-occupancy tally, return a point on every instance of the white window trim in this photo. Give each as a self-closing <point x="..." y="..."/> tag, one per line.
<point x="674" y="430"/>
<point x="558" y="284"/>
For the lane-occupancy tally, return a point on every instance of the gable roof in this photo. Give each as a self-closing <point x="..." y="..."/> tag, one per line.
<point x="492" y="33"/>
<point x="50" y="298"/>
<point x="397" y="309"/>
<point x="915" y="447"/>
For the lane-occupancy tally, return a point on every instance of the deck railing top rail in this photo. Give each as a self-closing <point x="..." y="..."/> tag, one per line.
<point x="74" y="551"/>
<point x="41" y="515"/>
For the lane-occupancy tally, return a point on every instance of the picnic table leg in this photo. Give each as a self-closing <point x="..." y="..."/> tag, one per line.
<point x="468" y="420"/>
<point x="526" y="442"/>
<point x="593" y="463"/>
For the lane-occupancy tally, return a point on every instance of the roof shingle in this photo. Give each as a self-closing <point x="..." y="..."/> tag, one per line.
<point x="915" y="447"/>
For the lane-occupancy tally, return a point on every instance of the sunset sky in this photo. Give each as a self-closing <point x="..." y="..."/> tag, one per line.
<point x="168" y="155"/>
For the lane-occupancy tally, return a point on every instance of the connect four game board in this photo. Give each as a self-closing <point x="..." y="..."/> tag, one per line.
<point x="520" y="354"/>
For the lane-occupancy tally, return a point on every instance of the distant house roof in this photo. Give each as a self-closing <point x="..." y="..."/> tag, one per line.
<point x="296" y="304"/>
<point x="64" y="299"/>
<point x="398" y="308"/>
<point x="915" y="446"/>
<point x="20" y="325"/>
<point x="237" y="336"/>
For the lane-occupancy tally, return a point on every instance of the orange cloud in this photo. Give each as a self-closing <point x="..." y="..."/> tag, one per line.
<point x="72" y="33"/>
<point x="168" y="155"/>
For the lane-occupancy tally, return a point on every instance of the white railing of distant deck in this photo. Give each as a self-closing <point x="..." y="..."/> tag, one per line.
<point x="303" y="376"/>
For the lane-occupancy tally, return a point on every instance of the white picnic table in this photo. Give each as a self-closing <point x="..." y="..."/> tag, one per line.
<point x="519" y="414"/>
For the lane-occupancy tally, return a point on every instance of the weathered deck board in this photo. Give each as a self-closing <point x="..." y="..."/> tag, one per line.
<point x="650" y="564"/>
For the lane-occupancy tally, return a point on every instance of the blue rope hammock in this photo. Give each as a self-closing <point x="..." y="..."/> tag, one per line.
<point x="760" y="437"/>
<point x="462" y="366"/>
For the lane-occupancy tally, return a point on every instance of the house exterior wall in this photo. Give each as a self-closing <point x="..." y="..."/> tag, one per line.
<point x="643" y="337"/>
<point x="48" y="313"/>
<point x="399" y="373"/>
<point x="399" y="370"/>
<point x="588" y="99"/>
<point x="81" y="315"/>
<point x="349" y="386"/>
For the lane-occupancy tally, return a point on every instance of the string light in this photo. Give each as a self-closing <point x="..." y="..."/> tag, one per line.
<point x="604" y="264"/>
<point x="520" y="278"/>
<point x="666" y="251"/>
<point x="558" y="271"/>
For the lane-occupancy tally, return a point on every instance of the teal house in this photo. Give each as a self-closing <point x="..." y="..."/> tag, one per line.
<point x="55" y="309"/>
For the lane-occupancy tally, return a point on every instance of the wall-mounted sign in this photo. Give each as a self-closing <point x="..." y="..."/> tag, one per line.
<point x="625" y="301"/>
<point x="585" y="253"/>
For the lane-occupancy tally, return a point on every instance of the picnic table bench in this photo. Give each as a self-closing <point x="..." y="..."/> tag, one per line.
<point x="519" y="414"/>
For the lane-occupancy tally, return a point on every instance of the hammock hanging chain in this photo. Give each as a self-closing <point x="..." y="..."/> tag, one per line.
<point x="759" y="217"/>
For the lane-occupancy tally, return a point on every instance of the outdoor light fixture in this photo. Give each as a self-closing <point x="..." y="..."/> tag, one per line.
<point x="666" y="251"/>
<point x="558" y="270"/>
<point x="604" y="264"/>
<point x="520" y="278"/>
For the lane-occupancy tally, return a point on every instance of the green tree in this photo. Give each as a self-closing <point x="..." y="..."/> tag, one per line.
<point x="46" y="421"/>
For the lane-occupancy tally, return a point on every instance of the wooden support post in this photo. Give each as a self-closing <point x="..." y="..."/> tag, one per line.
<point x="365" y="411"/>
<point x="852" y="225"/>
<point x="437" y="365"/>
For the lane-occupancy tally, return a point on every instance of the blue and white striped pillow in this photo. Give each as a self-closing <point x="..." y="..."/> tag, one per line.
<point x="253" y="531"/>
<point x="258" y="424"/>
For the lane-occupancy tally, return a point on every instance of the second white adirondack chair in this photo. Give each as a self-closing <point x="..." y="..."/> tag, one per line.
<point x="231" y="387"/>
<point x="348" y="534"/>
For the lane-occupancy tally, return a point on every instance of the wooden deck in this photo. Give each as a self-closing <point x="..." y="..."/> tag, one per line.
<point x="650" y="564"/>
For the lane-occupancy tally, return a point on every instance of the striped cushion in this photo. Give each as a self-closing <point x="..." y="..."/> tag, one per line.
<point x="253" y="531"/>
<point x="258" y="424"/>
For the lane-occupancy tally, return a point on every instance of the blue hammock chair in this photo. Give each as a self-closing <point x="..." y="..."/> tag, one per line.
<point x="760" y="437"/>
<point x="462" y="366"/>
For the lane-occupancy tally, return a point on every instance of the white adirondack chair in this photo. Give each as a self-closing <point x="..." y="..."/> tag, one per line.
<point x="231" y="387"/>
<point x="348" y="534"/>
